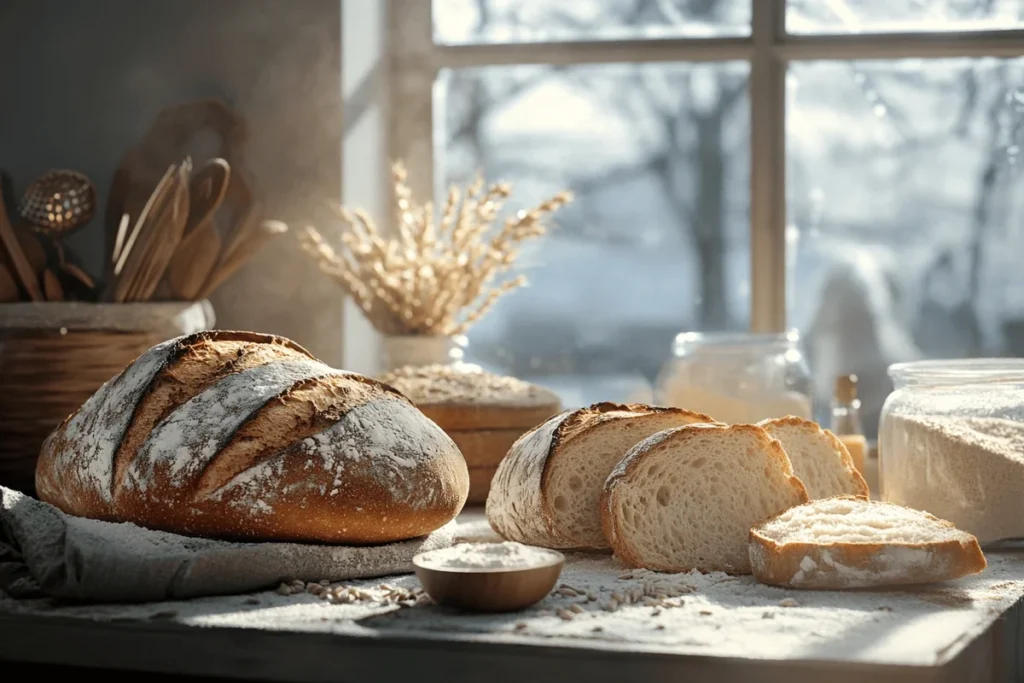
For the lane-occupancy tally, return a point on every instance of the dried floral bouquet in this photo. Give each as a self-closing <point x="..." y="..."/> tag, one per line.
<point x="431" y="279"/>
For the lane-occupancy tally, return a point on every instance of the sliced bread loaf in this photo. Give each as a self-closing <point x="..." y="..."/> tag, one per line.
<point x="547" y="490"/>
<point x="819" y="458"/>
<point x="849" y="542"/>
<point x="685" y="498"/>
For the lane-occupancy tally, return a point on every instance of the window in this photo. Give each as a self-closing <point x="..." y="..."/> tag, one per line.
<point x="849" y="168"/>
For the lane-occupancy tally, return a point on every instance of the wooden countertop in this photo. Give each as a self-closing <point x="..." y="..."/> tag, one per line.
<point x="726" y="629"/>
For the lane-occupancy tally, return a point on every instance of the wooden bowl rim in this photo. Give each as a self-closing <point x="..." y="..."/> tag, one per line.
<point x="557" y="560"/>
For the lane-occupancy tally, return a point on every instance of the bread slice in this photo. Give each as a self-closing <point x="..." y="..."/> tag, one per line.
<point x="819" y="458"/>
<point x="849" y="542"/>
<point x="685" y="498"/>
<point x="547" y="489"/>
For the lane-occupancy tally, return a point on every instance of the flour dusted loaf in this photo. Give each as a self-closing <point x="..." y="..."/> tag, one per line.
<point x="547" y="489"/>
<point x="849" y="542"/>
<point x="240" y="435"/>
<point x="818" y="457"/>
<point x="686" y="498"/>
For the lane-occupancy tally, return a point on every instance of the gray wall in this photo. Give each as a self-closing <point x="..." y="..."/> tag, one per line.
<point x="81" y="80"/>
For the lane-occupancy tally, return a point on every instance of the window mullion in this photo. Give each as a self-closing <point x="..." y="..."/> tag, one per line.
<point x="413" y="70"/>
<point x="636" y="51"/>
<point x="917" y="45"/>
<point x="767" y="170"/>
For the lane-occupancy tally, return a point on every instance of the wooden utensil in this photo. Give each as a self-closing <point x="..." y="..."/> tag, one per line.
<point x="59" y="202"/>
<point x="8" y="287"/>
<point x="200" y="247"/>
<point x="192" y="265"/>
<point x="51" y="286"/>
<point x="166" y="142"/>
<point x="162" y="235"/>
<point x="267" y="231"/>
<point x="122" y="235"/>
<point x="206" y="189"/>
<point x="77" y="273"/>
<point x="26" y="275"/>
<point x="35" y="252"/>
<point x="131" y="261"/>
<point x="244" y="214"/>
<point x="488" y="589"/>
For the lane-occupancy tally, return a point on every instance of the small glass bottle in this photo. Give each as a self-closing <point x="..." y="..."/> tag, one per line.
<point x="845" y="422"/>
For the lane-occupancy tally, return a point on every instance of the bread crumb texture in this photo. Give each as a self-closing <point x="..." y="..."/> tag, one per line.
<point x="685" y="498"/>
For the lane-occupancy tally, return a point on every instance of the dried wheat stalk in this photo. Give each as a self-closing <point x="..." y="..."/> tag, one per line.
<point x="436" y="277"/>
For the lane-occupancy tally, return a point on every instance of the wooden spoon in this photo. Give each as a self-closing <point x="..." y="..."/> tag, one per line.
<point x="488" y="589"/>
<point x="191" y="267"/>
<point x="164" y="235"/>
<point x="33" y="249"/>
<point x="206" y="191"/>
<point x="267" y="231"/>
<point x="52" y="287"/>
<point x="8" y="287"/>
<point x="132" y="257"/>
<point x="22" y="267"/>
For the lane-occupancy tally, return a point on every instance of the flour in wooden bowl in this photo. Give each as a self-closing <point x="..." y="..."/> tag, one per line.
<point x="481" y="556"/>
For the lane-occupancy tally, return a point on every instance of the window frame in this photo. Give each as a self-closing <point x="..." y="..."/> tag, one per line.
<point x="769" y="49"/>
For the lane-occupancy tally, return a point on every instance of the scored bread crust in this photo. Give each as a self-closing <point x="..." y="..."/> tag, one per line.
<point x="245" y="436"/>
<point x="839" y="566"/>
<point x="519" y="506"/>
<point x="634" y="460"/>
<point x="857" y="480"/>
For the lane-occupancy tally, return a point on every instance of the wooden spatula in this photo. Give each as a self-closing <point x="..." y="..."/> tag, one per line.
<point x="51" y="286"/>
<point x="206" y="189"/>
<point x="191" y="267"/>
<point x="8" y="287"/>
<point x="267" y="231"/>
<point x="22" y="267"/>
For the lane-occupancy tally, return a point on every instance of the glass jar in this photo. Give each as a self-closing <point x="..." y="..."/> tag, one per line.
<point x="737" y="377"/>
<point x="951" y="442"/>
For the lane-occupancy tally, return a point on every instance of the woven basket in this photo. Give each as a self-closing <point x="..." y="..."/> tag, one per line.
<point x="54" y="356"/>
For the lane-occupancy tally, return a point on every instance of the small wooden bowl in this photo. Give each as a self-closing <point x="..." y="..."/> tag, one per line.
<point x="488" y="589"/>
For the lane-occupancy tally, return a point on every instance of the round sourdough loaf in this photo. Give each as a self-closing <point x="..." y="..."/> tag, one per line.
<point x="246" y="436"/>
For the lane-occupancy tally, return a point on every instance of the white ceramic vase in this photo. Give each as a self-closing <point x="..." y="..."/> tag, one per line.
<point x="421" y="349"/>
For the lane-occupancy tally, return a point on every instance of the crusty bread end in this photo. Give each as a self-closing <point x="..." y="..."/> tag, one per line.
<point x="848" y="542"/>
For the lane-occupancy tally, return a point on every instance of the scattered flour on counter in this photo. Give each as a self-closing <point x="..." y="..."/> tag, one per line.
<point x="710" y="614"/>
<point x="506" y="555"/>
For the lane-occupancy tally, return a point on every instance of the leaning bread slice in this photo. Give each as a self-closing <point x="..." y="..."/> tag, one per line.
<point x="547" y="489"/>
<point x="849" y="542"/>
<point x="686" y="498"/>
<point x="819" y="458"/>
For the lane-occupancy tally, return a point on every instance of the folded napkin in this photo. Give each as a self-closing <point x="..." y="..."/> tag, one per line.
<point x="44" y="552"/>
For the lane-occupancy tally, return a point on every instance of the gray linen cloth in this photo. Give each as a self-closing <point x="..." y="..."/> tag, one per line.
<point x="44" y="552"/>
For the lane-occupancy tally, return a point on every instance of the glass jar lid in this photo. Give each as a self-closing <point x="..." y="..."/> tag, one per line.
<point x="958" y="372"/>
<point x="736" y="342"/>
